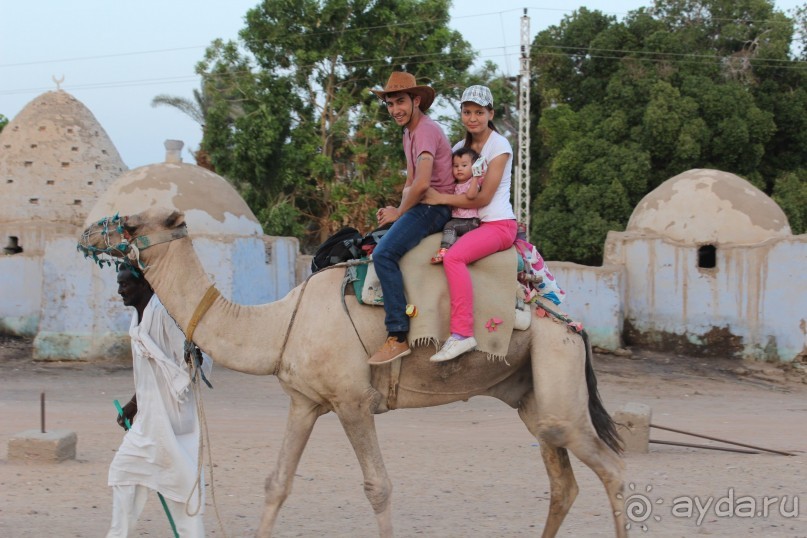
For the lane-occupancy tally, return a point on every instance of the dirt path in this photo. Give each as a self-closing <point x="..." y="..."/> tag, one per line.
<point x="461" y="470"/>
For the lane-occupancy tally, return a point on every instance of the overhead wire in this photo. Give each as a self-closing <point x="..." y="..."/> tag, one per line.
<point x="356" y="29"/>
<point x="682" y="59"/>
<point x="588" y="52"/>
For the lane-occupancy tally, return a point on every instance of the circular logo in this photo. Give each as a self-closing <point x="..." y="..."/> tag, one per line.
<point x="638" y="507"/>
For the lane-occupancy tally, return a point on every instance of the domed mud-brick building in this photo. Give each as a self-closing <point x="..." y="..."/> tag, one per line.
<point x="58" y="171"/>
<point x="247" y="266"/>
<point x="706" y="265"/>
<point x="55" y="161"/>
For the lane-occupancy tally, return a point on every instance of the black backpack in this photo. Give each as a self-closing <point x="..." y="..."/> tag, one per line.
<point x="370" y="240"/>
<point x="342" y="246"/>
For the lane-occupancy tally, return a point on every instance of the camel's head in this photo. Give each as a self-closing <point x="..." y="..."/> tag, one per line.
<point x="116" y="240"/>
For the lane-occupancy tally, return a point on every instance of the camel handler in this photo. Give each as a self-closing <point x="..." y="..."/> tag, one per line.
<point x="428" y="164"/>
<point x="160" y="451"/>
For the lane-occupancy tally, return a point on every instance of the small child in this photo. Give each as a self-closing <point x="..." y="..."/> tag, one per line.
<point x="468" y="169"/>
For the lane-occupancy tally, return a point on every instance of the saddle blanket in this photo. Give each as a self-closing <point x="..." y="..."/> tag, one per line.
<point x="426" y="288"/>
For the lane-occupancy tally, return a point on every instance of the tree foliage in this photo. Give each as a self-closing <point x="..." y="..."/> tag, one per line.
<point x="291" y="121"/>
<point x="625" y="105"/>
<point x="3" y="122"/>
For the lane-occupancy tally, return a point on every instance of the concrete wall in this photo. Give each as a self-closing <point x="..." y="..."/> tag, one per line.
<point x="649" y="292"/>
<point x="20" y="294"/>
<point x="784" y="305"/>
<point x="751" y="304"/>
<point x="281" y="261"/>
<point x="82" y="317"/>
<point x="593" y="297"/>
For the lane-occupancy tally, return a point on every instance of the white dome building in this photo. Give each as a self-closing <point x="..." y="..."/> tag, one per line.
<point x="247" y="267"/>
<point x="55" y="161"/>
<point x="58" y="171"/>
<point x="211" y="205"/>
<point x="707" y="265"/>
<point x="709" y="207"/>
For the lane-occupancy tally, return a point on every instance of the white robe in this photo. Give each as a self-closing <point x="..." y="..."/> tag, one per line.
<point x="160" y="451"/>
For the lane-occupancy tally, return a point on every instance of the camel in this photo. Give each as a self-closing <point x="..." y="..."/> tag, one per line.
<point x="315" y="340"/>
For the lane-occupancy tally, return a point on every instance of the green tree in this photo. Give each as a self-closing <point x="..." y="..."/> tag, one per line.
<point x="791" y="195"/>
<point x="800" y="15"/>
<point x="313" y="149"/>
<point x="3" y="122"/>
<point x="624" y="105"/>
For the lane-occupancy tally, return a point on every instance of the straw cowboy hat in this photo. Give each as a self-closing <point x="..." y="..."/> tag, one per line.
<point x="405" y="82"/>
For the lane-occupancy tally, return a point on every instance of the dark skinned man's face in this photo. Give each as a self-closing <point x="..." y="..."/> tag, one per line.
<point x="132" y="290"/>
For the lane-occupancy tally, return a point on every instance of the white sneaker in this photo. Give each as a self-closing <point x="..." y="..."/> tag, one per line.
<point x="453" y="348"/>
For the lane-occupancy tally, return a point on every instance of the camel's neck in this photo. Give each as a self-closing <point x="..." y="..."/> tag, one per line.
<point x="243" y="338"/>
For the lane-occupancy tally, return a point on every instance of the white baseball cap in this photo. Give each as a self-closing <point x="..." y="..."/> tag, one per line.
<point x="477" y="94"/>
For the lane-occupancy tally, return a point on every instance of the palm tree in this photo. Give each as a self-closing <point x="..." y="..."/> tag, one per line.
<point x="196" y="109"/>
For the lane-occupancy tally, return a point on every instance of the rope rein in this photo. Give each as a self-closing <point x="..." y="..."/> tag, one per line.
<point x="291" y="324"/>
<point x="194" y="359"/>
<point x="204" y="435"/>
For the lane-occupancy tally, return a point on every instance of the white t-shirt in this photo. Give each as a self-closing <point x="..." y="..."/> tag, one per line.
<point x="499" y="207"/>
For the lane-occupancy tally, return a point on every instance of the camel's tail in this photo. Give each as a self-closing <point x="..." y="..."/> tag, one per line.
<point x="603" y="423"/>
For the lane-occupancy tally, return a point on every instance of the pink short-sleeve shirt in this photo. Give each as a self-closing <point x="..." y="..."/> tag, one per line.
<point x="428" y="137"/>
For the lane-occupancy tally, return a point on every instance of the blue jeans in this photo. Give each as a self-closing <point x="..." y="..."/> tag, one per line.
<point x="420" y="221"/>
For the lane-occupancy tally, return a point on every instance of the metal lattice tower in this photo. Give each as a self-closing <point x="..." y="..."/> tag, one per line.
<point x="522" y="198"/>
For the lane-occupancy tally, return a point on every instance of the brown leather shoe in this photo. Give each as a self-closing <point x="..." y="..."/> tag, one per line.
<point x="391" y="350"/>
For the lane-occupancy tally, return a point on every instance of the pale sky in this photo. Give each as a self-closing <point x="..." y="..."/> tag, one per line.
<point x="115" y="56"/>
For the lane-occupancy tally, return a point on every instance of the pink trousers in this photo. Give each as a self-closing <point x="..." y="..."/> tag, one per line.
<point x="489" y="238"/>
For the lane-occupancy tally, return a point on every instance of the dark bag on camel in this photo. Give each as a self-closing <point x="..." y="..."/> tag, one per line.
<point x="370" y="240"/>
<point x="338" y="248"/>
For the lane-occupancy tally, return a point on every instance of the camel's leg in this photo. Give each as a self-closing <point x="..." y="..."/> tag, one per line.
<point x="592" y="451"/>
<point x="561" y="405"/>
<point x="562" y="485"/>
<point x="303" y="413"/>
<point x="359" y="424"/>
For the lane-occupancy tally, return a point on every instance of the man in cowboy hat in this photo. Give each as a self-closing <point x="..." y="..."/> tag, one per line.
<point x="428" y="164"/>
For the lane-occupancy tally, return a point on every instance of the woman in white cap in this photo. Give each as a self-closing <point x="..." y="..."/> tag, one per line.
<point x="497" y="230"/>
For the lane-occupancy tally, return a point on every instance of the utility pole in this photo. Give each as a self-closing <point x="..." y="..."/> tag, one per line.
<point x="522" y="198"/>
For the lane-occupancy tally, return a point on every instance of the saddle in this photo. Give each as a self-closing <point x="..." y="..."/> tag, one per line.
<point x="426" y="289"/>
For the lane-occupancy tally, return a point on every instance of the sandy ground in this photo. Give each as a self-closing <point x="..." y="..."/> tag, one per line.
<point x="461" y="470"/>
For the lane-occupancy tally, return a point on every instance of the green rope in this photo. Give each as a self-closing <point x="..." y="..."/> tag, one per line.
<point x="120" y="412"/>
<point x="168" y="513"/>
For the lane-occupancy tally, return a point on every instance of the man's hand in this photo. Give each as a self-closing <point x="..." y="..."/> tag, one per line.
<point x="432" y="197"/>
<point x="387" y="215"/>
<point x="129" y="411"/>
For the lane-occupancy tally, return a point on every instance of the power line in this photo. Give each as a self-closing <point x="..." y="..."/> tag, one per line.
<point x="585" y="51"/>
<point x="688" y="59"/>
<point x="159" y="51"/>
<point x="102" y="56"/>
<point x="500" y="52"/>
<point x="357" y="29"/>
<point x="107" y="85"/>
